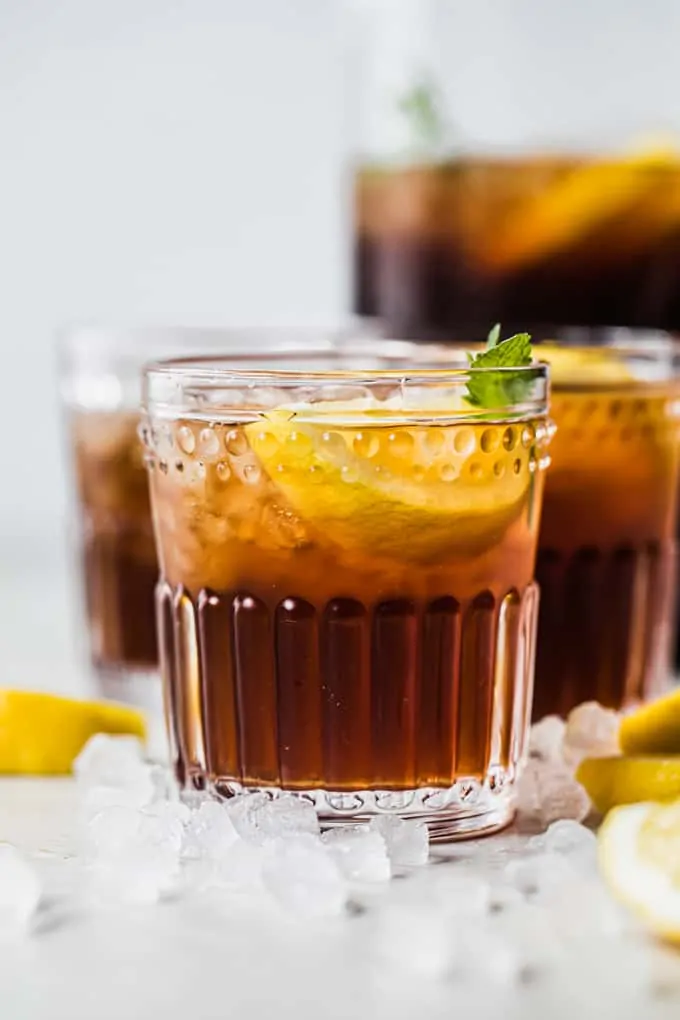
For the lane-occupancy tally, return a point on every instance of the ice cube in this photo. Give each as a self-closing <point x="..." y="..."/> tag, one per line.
<point x="301" y="874"/>
<point x="407" y="841"/>
<point x="567" y="837"/>
<point x="591" y="732"/>
<point x="548" y="792"/>
<point x="538" y="874"/>
<point x="360" y="853"/>
<point x="546" y="737"/>
<point x="257" y="818"/>
<point x="133" y="854"/>
<point x="108" y="760"/>
<point x="20" y="889"/>
<point x="209" y="832"/>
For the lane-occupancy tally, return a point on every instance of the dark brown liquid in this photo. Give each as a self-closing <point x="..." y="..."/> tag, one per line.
<point x="604" y="626"/>
<point x="435" y="253"/>
<point x="119" y="563"/>
<point x="345" y="696"/>
<point x="606" y="562"/>
<point x="119" y="587"/>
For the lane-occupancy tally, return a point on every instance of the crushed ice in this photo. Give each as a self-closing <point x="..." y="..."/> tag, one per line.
<point x="491" y="913"/>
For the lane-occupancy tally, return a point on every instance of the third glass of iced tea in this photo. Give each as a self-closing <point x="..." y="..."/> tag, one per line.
<point x="606" y="565"/>
<point x="347" y="603"/>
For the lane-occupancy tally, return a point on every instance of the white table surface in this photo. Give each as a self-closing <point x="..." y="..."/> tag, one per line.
<point x="203" y="956"/>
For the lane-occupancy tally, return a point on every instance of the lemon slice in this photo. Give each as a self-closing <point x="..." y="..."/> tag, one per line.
<point x="573" y="366"/>
<point x="574" y="206"/>
<point x="639" y="857"/>
<point x="42" y="734"/>
<point x="414" y="491"/>
<point x="610" y="782"/>
<point x="654" y="728"/>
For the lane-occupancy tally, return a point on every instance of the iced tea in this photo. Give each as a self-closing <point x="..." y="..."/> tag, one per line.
<point x="542" y="241"/>
<point x="120" y="567"/>
<point x="606" y="563"/>
<point x="347" y="604"/>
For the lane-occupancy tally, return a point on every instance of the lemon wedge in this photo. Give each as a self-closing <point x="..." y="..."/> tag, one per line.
<point x="577" y="204"/>
<point x="574" y="366"/>
<point x="610" y="782"/>
<point x="42" y="734"/>
<point x="412" y="490"/>
<point x="653" y="728"/>
<point x="639" y="857"/>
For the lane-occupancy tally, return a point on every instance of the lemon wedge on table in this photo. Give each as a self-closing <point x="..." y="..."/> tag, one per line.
<point x="639" y="857"/>
<point x="42" y="734"/>
<point x="416" y="491"/>
<point x="610" y="782"/>
<point x="653" y="728"/>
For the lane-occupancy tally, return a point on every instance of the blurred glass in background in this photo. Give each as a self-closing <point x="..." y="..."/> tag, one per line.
<point x="516" y="163"/>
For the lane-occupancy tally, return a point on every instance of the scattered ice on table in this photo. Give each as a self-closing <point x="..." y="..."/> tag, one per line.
<point x="407" y="840"/>
<point x="20" y="889"/>
<point x="546" y="737"/>
<point x="567" y="837"/>
<point x="591" y="732"/>
<point x="548" y="792"/>
<point x="111" y="772"/>
<point x="361" y="854"/>
<point x="134" y="855"/>
<point x="108" y="760"/>
<point x="538" y="874"/>
<point x="209" y="832"/>
<point x="303" y="876"/>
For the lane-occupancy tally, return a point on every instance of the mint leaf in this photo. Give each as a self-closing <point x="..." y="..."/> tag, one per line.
<point x="420" y="107"/>
<point x="498" y="389"/>
<point x="494" y="336"/>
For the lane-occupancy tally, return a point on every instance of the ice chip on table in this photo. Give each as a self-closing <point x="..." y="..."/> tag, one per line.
<point x="539" y="873"/>
<point x="548" y="792"/>
<point x="591" y="732"/>
<point x="20" y="889"/>
<point x="304" y="878"/>
<point x="134" y="854"/>
<point x="209" y="832"/>
<point x="257" y="818"/>
<point x="546" y="737"/>
<point x="568" y="837"/>
<point x="108" y="760"/>
<point x="407" y="840"/>
<point x="111" y="771"/>
<point x="360" y="853"/>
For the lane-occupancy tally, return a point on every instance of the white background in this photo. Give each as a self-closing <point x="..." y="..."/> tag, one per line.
<point x="161" y="161"/>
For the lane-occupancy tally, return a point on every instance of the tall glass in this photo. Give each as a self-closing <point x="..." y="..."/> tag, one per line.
<point x="606" y="564"/>
<point x="491" y="184"/>
<point x="101" y="389"/>
<point x="347" y="605"/>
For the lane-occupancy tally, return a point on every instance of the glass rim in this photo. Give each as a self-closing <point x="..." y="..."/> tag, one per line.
<point x="201" y="387"/>
<point x="654" y="354"/>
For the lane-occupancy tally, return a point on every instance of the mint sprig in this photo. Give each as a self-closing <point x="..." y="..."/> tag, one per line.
<point x="499" y="389"/>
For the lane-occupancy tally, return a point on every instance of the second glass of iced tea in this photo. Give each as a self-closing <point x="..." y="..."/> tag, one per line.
<point x="347" y="605"/>
<point x="606" y="564"/>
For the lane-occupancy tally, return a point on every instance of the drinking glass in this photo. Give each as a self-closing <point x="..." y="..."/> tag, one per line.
<point x="606" y="563"/>
<point x="347" y="605"/>
<point x="100" y="376"/>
